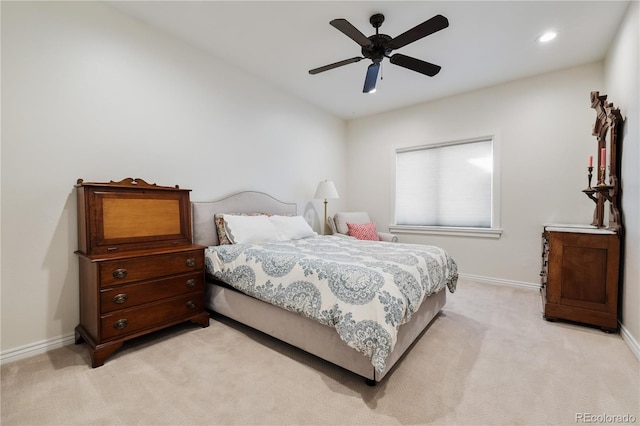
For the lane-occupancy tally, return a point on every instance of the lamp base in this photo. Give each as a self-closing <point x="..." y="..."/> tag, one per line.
<point x="324" y="223"/>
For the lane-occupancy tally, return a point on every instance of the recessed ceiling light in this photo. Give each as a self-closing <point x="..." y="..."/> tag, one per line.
<point x="547" y="37"/>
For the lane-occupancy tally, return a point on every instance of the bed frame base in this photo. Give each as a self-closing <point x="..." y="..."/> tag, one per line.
<point x="313" y="337"/>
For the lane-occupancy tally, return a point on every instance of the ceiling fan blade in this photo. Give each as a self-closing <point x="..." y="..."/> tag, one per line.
<point x="335" y="65"/>
<point x="350" y="31"/>
<point x="430" y="26"/>
<point x="370" y="79"/>
<point x="414" y="64"/>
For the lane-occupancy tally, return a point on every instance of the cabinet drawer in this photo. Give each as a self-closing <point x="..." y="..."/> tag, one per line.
<point x="129" y="321"/>
<point x="127" y="296"/>
<point x="141" y="268"/>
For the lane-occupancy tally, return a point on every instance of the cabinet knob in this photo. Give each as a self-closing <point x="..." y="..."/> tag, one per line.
<point x="119" y="273"/>
<point x="191" y="304"/>
<point x="120" y="298"/>
<point x="191" y="261"/>
<point x="191" y="283"/>
<point x="120" y="324"/>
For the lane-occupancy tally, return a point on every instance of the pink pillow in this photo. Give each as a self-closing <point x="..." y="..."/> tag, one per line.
<point x="363" y="231"/>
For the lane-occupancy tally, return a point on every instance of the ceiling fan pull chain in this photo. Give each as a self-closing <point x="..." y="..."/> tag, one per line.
<point x="381" y="71"/>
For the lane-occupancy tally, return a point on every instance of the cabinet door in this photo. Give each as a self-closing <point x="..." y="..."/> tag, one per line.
<point x="116" y="219"/>
<point x="583" y="271"/>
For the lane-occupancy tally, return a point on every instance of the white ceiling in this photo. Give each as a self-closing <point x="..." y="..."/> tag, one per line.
<point x="486" y="43"/>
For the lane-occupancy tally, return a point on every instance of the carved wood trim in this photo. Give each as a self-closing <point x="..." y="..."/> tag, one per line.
<point x="608" y="122"/>
<point x="127" y="182"/>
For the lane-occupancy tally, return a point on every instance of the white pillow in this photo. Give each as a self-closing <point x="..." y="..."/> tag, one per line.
<point x="292" y="227"/>
<point x="250" y="229"/>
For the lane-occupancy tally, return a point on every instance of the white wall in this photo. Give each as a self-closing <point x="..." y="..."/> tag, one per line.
<point x="90" y="93"/>
<point x="623" y="89"/>
<point x="543" y="127"/>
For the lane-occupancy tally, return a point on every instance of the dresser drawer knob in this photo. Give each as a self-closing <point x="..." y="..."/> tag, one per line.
<point x="119" y="273"/>
<point x="120" y="298"/>
<point x="191" y="261"/>
<point x="120" y="324"/>
<point x="191" y="283"/>
<point x="191" y="304"/>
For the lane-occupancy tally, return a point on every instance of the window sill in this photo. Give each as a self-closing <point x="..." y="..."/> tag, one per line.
<point x="445" y="230"/>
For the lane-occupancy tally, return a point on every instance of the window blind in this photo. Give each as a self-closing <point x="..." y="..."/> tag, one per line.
<point x="446" y="185"/>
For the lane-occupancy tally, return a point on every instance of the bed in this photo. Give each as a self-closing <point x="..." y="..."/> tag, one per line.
<point x="328" y="337"/>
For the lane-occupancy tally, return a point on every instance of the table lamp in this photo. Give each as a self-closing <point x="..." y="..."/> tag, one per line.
<point x="326" y="189"/>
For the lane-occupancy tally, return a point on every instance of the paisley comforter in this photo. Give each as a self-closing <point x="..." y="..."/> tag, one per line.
<point x="363" y="289"/>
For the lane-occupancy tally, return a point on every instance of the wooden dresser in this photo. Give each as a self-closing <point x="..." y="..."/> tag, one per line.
<point x="580" y="272"/>
<point x="139" y="271"/>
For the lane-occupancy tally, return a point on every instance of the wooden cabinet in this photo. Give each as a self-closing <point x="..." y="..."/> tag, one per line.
<point x="139" y="271"/>
<point x="580" y="276"/>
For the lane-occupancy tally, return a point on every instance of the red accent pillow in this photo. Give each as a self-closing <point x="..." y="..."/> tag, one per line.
<point x="363" y="231"/>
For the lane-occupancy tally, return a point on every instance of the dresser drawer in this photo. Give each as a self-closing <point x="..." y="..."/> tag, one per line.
<point x="129" y="321"/>
<point x="122" y="271"/>
<point x="127" y="296"/>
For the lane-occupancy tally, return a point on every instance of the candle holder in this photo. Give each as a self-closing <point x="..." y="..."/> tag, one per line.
<point x="589" y="191"/>
<point x="601" y="182"/>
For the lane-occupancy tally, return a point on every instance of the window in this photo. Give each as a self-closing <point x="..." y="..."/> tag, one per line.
<point x="449" y="186"/>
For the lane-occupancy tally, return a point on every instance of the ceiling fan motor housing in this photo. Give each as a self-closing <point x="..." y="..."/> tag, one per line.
<point x="379" y="49"/>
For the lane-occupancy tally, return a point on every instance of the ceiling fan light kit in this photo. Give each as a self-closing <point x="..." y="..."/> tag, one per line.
<point x="379" y="46"/>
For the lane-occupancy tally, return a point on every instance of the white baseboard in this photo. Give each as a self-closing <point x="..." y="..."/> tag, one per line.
<point x="37" y="348"/>
<point x="500" y="281"/>
<point x="630" y="341"/>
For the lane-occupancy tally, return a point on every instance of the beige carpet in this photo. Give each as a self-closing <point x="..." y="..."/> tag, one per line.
<point x="489" y="358"/>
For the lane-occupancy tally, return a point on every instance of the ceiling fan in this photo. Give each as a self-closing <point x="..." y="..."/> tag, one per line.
<point x="379" y="46"/>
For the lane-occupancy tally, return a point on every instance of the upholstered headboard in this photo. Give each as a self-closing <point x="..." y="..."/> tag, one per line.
<point x="204" y="230"/>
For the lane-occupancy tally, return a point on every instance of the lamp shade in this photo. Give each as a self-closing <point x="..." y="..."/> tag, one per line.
<point x="326" y="189"/>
